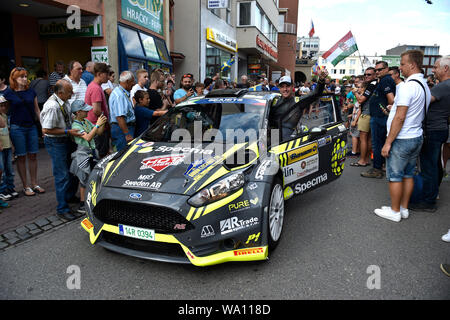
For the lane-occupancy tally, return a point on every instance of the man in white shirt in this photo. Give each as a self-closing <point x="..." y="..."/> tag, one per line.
<point x="405" y="136"/>
<point x="142" y="82"/>
<point x="74" y="77"/>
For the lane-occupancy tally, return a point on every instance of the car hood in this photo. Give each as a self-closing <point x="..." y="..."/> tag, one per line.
<point x="169" y="167"/>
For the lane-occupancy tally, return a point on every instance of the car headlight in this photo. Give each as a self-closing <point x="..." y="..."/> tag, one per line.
<point x="218" y="190"/>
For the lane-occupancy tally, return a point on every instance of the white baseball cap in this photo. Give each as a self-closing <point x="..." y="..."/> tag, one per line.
<point x="285" y="79"/>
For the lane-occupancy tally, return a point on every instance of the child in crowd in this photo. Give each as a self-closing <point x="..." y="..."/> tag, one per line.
<point x="5" y="144"/>
<point x="143" y="113"/>
<point x="86" y="155"/>
<point x="7" y="180"/>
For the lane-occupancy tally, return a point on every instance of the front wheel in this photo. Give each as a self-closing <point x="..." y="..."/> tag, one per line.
<point x="276" y="214"/>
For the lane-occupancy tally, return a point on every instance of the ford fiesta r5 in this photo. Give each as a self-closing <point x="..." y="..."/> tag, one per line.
<point x="207" y="182"/>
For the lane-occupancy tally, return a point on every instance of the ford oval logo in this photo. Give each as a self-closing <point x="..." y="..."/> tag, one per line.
<point x="135" y="196"/>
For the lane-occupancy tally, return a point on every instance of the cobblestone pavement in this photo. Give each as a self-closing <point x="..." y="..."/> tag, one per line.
<point x="29" y="216"/>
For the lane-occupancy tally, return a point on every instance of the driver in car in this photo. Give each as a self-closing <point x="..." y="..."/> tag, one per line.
<point x="288" y="110"/>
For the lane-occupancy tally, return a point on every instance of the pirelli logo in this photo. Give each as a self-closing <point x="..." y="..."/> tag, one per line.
<point x="245" y="252"/>
<point x="299" y="154"/>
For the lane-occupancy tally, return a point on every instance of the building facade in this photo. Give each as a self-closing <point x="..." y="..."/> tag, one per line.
<point x="127" y="34"/>
<point x="431" y="54"/>
<point x="308" y="48"/>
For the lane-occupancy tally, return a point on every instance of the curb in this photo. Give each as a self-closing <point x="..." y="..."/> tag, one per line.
<point x="33" y="229"/>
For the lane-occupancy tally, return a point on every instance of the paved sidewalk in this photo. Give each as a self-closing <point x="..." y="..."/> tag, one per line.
<point x="25" y="210"/>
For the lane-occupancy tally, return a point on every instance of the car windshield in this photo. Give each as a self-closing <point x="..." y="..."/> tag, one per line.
<point x="207" y="122"/>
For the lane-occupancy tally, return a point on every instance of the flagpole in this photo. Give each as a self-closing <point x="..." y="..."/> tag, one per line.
<point x="359" y="54"/>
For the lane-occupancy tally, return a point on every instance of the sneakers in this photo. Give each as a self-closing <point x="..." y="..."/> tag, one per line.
<point x="5" y="196"/>
<point x="3" y="204"/>
<point x="373" y="173"/>
<point x="421" y="206"/>
<point x="81" y="208"/>
<point x="446" y="237"/>
<point x="403" y="212"/>
<point x="13" y="193"/>
<point x="389" y="214"/>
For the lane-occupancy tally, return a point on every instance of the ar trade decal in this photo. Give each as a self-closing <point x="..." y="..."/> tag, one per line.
<point x="159" y="163"/>
<point x="234" y="224"/>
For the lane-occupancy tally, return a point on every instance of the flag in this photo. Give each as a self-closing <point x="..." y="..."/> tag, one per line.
<point x="342" y="49"/>
<point x="227" y="65"/>
<point x="311" y="32"/>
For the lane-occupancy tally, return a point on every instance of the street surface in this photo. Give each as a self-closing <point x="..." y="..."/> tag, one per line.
<point x="331" y="244"/>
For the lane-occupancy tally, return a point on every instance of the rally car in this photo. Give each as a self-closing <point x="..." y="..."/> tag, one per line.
<point x="207" y="182"/>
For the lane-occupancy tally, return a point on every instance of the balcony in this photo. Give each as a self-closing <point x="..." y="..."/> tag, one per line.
<point x="290" y="28"/>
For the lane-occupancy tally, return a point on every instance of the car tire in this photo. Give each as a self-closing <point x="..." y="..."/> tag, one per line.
<point x="275" y="216"/>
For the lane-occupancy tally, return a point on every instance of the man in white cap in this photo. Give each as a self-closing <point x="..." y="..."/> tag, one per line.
<point x="286" y="113"/>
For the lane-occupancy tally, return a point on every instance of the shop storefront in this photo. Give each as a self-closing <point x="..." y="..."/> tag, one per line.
<point x="220" y="49"/>
<point x="141" y="50"/>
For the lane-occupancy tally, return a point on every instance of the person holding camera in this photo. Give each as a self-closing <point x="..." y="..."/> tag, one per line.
<point x="186" y="91"/>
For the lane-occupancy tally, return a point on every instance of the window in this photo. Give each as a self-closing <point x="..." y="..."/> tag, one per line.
<point x="341" y="71"/>
<point x="333" y="71"/>
<point x="245" y="13"/>
<point x="352" y="62"/>
<point x="258" y="18"/>
<point x="214" y="60"/>
<point x="352" y="71"/>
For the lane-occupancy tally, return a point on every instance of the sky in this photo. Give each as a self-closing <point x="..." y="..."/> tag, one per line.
<point x="377" y="25"/>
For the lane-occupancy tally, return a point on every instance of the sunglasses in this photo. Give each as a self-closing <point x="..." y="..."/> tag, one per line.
<point x="368" y="74"/>
<point x="379" y="69"/>
<point x="187" y="76"/>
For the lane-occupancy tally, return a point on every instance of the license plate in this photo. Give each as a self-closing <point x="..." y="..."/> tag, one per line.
<point x="138" y="233"/>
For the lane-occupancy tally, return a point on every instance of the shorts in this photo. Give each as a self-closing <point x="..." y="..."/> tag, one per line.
<point x="402" y="159"/>
<point x="354" y="132"/>
<point x="24" y="139"/>
<point x="364" y="123"/>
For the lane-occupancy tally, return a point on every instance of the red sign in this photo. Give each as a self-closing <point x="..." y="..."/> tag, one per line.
<point x="268" y="49"/>
<point x="244" y="252"/>
<point x="158" y="164"/>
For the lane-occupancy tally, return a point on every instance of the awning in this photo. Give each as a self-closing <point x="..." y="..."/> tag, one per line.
<point x="139" y="45"/>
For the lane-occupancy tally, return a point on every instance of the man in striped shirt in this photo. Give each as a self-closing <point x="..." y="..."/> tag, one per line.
<point x="78" y="84"/>
<point x="56" y="75"/>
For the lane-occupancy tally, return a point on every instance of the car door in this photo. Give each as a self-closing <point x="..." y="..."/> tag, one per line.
<point x="315" y="155"/>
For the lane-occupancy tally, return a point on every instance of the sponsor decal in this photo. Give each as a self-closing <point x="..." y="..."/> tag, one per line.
<point x="182" y="150"/>
<point x="288" y="193"/>
<point x="87" y="224"/>
<point x="302" y="153"/>
<point x="302" y="187"/>
<point x="262" y="169"/>
<point x="142" y="184"/>
<point x="146" y="176"/>
<point x="253" y="237"/>
<point x="338" y="157"/>
<point x="301" y="169"/>
<point x="159" y="163"/>
<point x="234" y="224"/>
<point x="201" y="167"/>
<point x="179" y="226"/>
<point x="145" y="144"/>
<point x="324" y="141"/>
<point x="207" y="231"/>
<point x="136" y="196"/>
<point x="252" y="186"/>
<point x="244" y="252"/>
<point x="242" y="205"/>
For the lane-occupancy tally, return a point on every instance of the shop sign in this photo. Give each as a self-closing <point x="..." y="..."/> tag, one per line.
<point x="90" y="26"/>
<point x="100" y="54"/>
<point x="221" y="39"/>
<point x="146" y="13"/>
<point x="254" y="66"/>
<point x="267" y="48"/>
<point x="217" y="4"/>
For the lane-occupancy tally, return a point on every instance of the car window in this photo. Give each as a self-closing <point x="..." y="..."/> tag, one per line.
<point x="219" y="122"/>
<point x="319" y="114"/>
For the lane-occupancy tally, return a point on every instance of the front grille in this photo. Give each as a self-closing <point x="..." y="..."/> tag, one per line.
<point x="160" y="219"/>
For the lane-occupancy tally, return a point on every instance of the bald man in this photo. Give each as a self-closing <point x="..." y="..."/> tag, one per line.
<point x="56" y="124"/>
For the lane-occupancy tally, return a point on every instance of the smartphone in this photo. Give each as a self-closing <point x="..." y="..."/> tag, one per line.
<point x="383" y="108"/>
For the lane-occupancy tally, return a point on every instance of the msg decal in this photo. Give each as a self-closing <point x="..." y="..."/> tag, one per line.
<point x="338" y="157"/>
<point x="159" y="163"/>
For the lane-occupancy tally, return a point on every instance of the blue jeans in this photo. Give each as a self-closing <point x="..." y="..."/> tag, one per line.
<point x="7" y="180"/>
<point x="118" y="138"/>
<point x="378" y="129"/>
<point x="430" y="164"/>
<point x="66" y="184"/>
<point x="24" y="139"/>
<point x="402" y="159"/>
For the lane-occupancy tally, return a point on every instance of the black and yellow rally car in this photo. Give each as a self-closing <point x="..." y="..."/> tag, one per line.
<point x="207" y="182"/>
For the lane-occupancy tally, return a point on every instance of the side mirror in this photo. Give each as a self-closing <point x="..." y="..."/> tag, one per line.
<point x="317" y="131"/>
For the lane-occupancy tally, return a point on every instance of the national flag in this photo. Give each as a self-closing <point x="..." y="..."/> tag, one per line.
<point x="227" y="65"/>
<point x="316" y="68"/>
<point x="311" y="32"/>
<point x="342" y="49"/>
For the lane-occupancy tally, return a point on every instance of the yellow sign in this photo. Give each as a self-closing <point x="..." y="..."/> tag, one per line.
<point x="221" y="39"/>
<point x="302" y="153"/>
